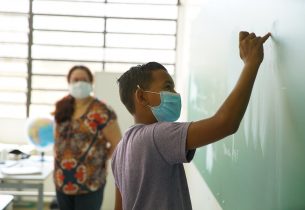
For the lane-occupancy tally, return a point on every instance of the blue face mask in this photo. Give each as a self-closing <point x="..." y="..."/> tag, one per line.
<point x="170" y="107"/>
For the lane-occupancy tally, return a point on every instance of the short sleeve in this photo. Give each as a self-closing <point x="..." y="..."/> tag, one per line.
<point x="112" y="113"/>
<point x="100" y="114"/>
<point x="113" y="167"/>
<point x="170" y="141"/>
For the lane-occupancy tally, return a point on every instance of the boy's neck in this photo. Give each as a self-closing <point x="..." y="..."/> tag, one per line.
<point x="144" y="120"/>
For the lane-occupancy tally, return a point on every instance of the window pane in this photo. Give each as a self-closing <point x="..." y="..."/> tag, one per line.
<point x="141" y="26"/>
<point x="41" y="110"/>
<point x="141" y="11"/>
<point x="17" y="37"/>
<point x="47" y="97"/>
<point x="122" y="67"/>
<point x="12" y="111"/>
<point x="13" y="83"/>
<point x="14" y="50"/>
<point x="71" y="32"/>
<point x="68" y="38"/>
<point x="141" y="41"/>
<point x="49" y="82"/>
<point x="11" y="67"/>
<point x="69" y="8"/>
<point x="13" y="97"/>
<point x="85" y="0"/>
<point x="12" y="23"/>
<point x="146" y="1"/>
<point x="68" y="53"/>
<point x="14" y="6"/>
<point x="61" y="68"/>
<point x="133" y="55"/>
<point x="170" y="69"/>
<point x="68" y="23"/>
<point x="119" y="67"/>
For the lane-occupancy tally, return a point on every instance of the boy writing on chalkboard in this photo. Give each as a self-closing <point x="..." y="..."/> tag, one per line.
<point x="147" y="163"/>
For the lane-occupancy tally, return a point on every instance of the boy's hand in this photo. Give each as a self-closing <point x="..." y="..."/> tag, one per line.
<point x="251" y="47"/>
<point x="228" y="117"/>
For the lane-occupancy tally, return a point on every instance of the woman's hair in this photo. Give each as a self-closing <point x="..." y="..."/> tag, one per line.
<point x="79" y="67"/>
<point x="64" y="108"/>
<point x="137" y="75"/>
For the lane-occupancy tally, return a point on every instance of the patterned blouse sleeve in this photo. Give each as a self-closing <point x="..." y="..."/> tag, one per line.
<point x="111" y="112"/>
<point x="105" y="114"/>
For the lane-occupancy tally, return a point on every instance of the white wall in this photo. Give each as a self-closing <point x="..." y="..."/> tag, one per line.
<point x="12" y="131"/>
<point x="201" y="196"/>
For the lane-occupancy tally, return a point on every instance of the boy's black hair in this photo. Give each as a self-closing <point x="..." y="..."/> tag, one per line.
<point x="137" y="75"/>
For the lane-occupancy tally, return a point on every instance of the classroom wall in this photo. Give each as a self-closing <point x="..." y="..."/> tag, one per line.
<point x="261" y="166"/>
<point x="12" y="131"/>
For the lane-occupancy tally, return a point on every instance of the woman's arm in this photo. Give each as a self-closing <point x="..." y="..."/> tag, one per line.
<point x="113" y="134"/>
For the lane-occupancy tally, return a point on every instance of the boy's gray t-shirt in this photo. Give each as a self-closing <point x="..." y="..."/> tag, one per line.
<point x="148" y="170"/>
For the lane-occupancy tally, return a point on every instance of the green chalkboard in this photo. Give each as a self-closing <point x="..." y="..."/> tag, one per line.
<point x="262" y="166"/>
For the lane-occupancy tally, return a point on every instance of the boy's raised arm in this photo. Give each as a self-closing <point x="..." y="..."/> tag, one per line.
<point x="227" y="119"/>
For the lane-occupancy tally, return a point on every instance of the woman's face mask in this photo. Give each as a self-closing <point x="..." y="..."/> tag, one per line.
<point x="80" y="90"/>
<point x="169" y="108"/>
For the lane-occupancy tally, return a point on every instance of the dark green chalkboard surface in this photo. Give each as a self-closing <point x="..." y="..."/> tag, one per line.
<point x="262" y="166"/>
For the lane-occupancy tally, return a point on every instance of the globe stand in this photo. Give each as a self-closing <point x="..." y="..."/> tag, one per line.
<point x="42" y="159"/>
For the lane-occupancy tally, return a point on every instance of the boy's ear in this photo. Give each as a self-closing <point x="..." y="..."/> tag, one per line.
<point x="141" y="97"/>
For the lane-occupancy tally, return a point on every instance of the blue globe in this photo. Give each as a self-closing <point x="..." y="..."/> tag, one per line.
<point x="40" y="132"/>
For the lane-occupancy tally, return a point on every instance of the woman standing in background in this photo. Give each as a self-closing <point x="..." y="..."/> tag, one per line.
<point x="86" y="134"/>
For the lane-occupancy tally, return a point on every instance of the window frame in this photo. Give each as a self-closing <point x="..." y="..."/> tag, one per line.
<point x="103" y="62"/>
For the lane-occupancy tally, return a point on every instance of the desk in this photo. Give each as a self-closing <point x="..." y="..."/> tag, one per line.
<point x="6" y="202"/>
<point x="31" y="181"/>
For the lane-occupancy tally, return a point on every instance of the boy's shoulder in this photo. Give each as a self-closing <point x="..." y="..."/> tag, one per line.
<point x="134" y="135"/>
<point x="137" y="129"/>
<point x="157" y="130"/>
<point x="155" y="126"/>
<point x="142" y="129"/>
